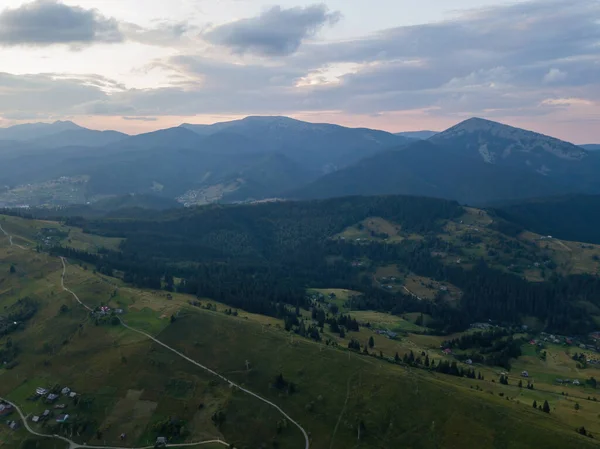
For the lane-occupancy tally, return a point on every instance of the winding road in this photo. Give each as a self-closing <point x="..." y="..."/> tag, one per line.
<point x="10" y="239"/>
<point x="73" y="445"/>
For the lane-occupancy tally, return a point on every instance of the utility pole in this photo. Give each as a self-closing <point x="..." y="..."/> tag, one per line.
<point x="247" y="365"/>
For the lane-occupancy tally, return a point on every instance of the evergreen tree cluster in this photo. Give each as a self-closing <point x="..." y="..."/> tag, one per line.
<point x="257" y="257"/>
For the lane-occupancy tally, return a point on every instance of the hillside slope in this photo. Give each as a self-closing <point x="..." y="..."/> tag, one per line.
<point x="572" y="217"/>
<point x="500" y="144"/>
<point x="30" y="131"/>
<point x="430" y="170"/>
<point x="318" y="146"/>
<point x="127" y="384"/>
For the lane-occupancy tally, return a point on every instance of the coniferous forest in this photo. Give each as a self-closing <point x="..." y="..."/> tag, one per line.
<point x="257" y="257"/>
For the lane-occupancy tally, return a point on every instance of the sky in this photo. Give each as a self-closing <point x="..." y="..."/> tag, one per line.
<point x="398" y="65"/>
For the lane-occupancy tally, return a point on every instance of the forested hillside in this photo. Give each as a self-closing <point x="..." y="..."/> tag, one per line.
<point x="259" y="257"/>
<point x="572" y="217"/>
<point x="424" y="168"/>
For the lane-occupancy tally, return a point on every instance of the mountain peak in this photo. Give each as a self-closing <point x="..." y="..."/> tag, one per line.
<point x="499" y="143"/>
<point x="30" y="131"/>
<point x="66" y="124"/>
<point x="269" y="119"/>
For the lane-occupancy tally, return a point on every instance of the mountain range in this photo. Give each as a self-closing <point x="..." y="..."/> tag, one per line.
<point x="417" y="135"/>
<point x="591" y="147"/>
<point x="476" y="162"/>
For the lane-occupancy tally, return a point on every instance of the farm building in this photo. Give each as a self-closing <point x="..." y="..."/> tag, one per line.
<point x="6" y="409"/>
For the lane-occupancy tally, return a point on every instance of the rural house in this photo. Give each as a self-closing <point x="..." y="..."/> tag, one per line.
<point x="5" y="409"/>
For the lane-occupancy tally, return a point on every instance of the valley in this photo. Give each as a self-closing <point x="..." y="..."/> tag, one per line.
<point x="129" y="383"/>
<point x="299" y="225"/>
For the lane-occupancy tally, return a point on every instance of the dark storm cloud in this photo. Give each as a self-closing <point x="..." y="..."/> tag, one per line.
<point x="276" y="32"/>
<point x="48" y="22"/>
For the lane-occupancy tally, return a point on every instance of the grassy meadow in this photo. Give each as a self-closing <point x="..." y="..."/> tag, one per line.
<point x="128" y="384"/>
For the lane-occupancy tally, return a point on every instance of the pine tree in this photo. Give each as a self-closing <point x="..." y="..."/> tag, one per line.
<point x="396" y="358"/>
<point x="426" y="361"/>
<point x="12" y="269"/>
<point x="546" y="408"/>
<point x="520" y="384"/>
<point x="371" y="342"/>
<point x="534" y="404"/>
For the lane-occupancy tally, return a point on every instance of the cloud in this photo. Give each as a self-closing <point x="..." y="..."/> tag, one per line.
<point x="520" y="61"/>
<point x="48" y="22"/>
<point x="276" y="32"/>
<point x="554" y="76"/>
<point x="162" y="34"/>
<point x="45" y="94"/>
<point x="140" y="119"/>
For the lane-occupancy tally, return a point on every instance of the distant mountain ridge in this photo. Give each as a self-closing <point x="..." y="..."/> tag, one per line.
<point x="426" y="169"/>
<point x="318" y="146"/>
<point x="477" y="161"/>
<point x="591" y="147"/>
<point x="497" y="143"/>
<point x="417" y="135"/>
<point x="29" y="131"/>
<point x="79" y="137"/>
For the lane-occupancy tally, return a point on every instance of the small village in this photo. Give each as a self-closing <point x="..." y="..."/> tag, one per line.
<point x="55" y="411"/>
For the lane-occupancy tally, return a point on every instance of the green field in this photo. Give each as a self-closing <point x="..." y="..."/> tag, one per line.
<point x="131" y="385"/>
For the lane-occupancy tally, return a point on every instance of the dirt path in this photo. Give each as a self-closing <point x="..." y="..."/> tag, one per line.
<point x="214" y="373"/>
<point x="10" y="239"/>
<point x="74" y="445"/>
<point x="337" y="424"/>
